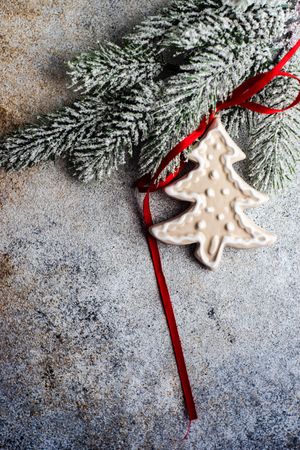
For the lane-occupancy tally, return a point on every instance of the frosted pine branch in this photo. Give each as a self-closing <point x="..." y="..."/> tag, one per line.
<point x="152" y="32"/>
<point x="55" y="135"/>
<point x="273" y="167"/>
<point x="125" y="127"/>
<point x="236" y="121"/>
<point x="274" y="140"/>
<point x="112" y="68"/>
<point x="210" y="76"/>
<point x="133" y="98"/>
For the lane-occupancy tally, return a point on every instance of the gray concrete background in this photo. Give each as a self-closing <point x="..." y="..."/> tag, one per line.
<point x="86" y="359"/>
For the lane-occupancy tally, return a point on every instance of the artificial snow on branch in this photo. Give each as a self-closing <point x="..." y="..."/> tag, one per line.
<point x="112" y="68"/>
<point x="277" y="135"/>
<point x="131" y="99"/>
<point x="126" y="125"/>
<point x="54" y="135"/>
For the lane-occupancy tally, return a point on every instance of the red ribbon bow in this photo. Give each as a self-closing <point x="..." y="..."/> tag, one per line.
<point x="240" y="97"/>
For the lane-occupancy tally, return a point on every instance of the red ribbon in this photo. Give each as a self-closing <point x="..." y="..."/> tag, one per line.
<point x="240" y="97"/>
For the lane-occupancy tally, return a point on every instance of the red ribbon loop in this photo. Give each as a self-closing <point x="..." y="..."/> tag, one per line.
<point x="240" y="97"/>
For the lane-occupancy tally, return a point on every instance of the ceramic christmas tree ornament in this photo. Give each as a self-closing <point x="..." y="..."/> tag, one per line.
<point x="219" y="196"/>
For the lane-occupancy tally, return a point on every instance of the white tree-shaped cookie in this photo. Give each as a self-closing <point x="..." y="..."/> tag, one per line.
<point x="219" y="196"/>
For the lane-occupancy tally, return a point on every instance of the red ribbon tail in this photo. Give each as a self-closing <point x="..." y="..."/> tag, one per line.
<point x="188" y="431"/>
<point x="170" y="316"/>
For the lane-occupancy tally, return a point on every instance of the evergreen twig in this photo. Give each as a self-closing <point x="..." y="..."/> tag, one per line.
<point x="133" y="99"/>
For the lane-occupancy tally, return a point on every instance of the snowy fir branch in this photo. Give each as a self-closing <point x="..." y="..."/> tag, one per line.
<point x="277" y="135"/>
<point x="237" y="51"/>
<point x="125" y="126"/>
<point x="154" y="88"/>
<point x="54" y="135"/>
<point x="112" y="68"/>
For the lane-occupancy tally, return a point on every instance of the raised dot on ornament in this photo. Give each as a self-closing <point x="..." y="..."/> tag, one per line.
<point x="210" y="192"/>
<point x="221" y="216"/>
<point x="225" y="191"/>
<point x="210" y="156"/>
<point x="229" y="226"/>
<point x="209" y="209"/>
<point x="201" y="225"/>
<point x="214" y="175"/>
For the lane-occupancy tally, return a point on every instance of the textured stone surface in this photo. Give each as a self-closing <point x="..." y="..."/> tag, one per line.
<point x="86" y="360"/>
